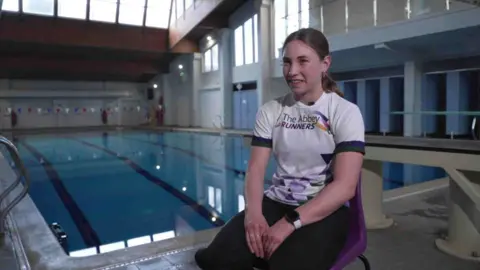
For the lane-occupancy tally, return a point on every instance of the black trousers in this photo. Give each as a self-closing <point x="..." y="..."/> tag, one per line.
<point x="312" y="247"/>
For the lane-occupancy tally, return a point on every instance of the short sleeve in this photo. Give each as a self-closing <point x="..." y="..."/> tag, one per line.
<point x="349" y="129"/>
<point x="262" y="132"/>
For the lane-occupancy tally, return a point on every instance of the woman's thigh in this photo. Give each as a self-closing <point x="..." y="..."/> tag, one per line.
<point x="229" y="248"/>
<point x="315" y="246"/>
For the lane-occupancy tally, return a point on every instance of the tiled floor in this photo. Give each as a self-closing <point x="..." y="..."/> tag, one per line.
<point x="7" y="259"/>
<point x="409" y="245"/>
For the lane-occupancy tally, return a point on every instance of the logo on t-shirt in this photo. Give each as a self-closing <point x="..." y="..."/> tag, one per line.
<point x="305" y="121"/>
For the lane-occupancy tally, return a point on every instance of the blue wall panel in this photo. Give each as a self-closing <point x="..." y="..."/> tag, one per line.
<point x="430" y="91"/>
<point x="457" y="100"/>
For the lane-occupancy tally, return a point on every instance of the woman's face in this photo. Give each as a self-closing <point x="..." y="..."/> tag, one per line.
<point x="302" y="67"/>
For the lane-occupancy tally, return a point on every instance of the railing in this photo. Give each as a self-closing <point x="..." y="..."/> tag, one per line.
<point x="474" y="123"/>
<point x="22" y="172"/>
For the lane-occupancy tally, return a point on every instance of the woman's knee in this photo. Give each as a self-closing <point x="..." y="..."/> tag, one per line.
<point x="208" y="260"/>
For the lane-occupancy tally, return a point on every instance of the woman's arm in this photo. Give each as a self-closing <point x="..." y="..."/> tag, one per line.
<point x="255" y="175"/>
<point x="347" y="169"/>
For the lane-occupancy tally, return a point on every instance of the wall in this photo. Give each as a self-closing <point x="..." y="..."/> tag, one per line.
<point x="70" y="98"/>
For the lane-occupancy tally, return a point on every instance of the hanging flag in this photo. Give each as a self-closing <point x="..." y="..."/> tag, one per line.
<point x="19" y="110"/>
<point x="58" y="110"/>
<point x="67" y="110"/>
<point x="84" y="110"/>
<point x="29" y="110"/>
<point x="49" y="110"/>
<point x="9" y="110"/>
<point x="39" y="110"/>
<point x="92" y="109"/>
<point x="76" y="110"/>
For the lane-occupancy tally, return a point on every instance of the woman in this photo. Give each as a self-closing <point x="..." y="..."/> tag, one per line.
<point x="301" y="221"/>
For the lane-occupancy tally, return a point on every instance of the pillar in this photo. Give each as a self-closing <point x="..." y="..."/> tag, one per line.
<point x="412" y="120"/>
<point x="315" y="14"/>
<point x="266" y="53"/>
<point x="226" y="72"/>
<point x="372" y="195"/>
<point x="196" y="71"/>
<point x="412" y="123"/>
<point x="463" y="239"/>
<point x="457" y="101"/>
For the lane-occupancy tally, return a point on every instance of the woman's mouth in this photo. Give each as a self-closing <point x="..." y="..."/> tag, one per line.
<point x="295" y="82"/>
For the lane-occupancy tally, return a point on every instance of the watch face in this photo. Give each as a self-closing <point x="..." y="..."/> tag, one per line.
<point x="292" y="216"/>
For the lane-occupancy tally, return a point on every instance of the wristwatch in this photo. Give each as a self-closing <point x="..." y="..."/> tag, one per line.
<point x="294" y="218"/>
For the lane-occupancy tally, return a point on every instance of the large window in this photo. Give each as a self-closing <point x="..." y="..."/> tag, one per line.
<point x="41" y="7"/>
<point x="210" y="59"/>
<point x="131" y="12"/>
<point x="72" y="9"/>
<point x="248" y="34"/>
<point x="103" y="10"/>
<point x="10" y="5"/>
<point x="290" y="16"/>
<point x="179" y="8"/>
<point x="157" y="14"/>
<point x="239" y="46"/>
<point x="246" y="42"/>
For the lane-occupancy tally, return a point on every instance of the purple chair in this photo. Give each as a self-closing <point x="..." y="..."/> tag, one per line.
<point x="357" y="237"/>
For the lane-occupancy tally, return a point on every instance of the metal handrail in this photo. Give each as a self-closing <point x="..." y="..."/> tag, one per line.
<point x="23" y="172"/>
<point x="474" y="123"/>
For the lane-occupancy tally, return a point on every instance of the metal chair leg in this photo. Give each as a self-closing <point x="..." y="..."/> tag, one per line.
<point x="365" y="261"/>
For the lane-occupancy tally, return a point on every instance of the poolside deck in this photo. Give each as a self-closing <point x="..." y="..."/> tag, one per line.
<point x="409" y="244"/>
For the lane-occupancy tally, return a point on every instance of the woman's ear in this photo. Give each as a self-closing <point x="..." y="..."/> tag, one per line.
<point x="327" y="60"/>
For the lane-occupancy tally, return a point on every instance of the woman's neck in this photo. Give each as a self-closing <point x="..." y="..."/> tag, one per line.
<point x="310" y="97"/>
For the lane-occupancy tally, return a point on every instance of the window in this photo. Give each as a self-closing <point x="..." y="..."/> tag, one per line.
<point x="103" y="10"/>
<point x="41" y="7"/>
<point x="239" y="46"/>
<point x="255" y="38"/>
<point x="179" y="4"/>
<point x="188" y="4"/>
<point x="215" y="62"/>
<point x="292" y="16"/>
<point x="248" y="35"/>
<point x="280" y="25"/>
<point x="10" y="5"/>
<point x="215" y="198"/>
<point x="72" y="9"/>
<point x="131" y="12"/>
<point x="158" y="14"/>
<point x="207" y="61"/>
<point x="304" y="13"/>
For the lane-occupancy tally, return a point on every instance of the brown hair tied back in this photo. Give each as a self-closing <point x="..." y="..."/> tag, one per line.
<point x="319" y="43"/>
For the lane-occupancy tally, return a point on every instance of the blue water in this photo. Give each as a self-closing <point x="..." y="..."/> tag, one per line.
<point x="108" y="187"/>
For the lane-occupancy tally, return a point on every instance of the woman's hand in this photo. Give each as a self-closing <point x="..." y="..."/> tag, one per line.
<point x="275" y="236"/>
<point x="255" y="226"/>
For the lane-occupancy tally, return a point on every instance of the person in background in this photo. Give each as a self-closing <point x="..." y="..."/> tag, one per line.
<point x="301" y="221"/>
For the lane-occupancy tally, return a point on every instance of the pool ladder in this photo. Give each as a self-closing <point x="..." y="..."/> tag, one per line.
<point x="23" y="172"/>
<point x="474" y="133"/>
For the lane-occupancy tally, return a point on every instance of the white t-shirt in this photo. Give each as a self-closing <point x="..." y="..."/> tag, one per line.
<point x="304" y="140"/>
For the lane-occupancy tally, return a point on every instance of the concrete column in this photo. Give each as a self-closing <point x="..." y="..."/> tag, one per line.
<point x="196" y="71"/>
<point x="226" y="72"/>
<point x="372" y="195"/>
<point x="266" y="52"/>
<point x="457" y="100"/>
<point x="412" y="124"/>
<point x="315" y="14"/>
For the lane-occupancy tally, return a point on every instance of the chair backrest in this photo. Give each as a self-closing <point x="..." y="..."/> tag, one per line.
<point x="357" y="236"/>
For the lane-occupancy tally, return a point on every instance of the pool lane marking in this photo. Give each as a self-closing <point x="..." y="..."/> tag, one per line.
<point x="89" y="236"/>
<point x="159" y="182"/>
<point x="192" y="154"/>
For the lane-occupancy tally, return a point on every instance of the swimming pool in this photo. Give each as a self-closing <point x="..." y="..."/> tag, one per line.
<point x="116" y="189"/>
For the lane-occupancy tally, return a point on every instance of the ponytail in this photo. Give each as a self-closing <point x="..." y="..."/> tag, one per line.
<point x="329" y="85"/>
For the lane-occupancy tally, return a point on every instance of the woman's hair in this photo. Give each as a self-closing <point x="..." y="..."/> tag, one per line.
<point x="319" y="43"/>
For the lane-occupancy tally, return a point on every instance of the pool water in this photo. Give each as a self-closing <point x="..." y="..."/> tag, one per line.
<point x="110" y="190"/>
